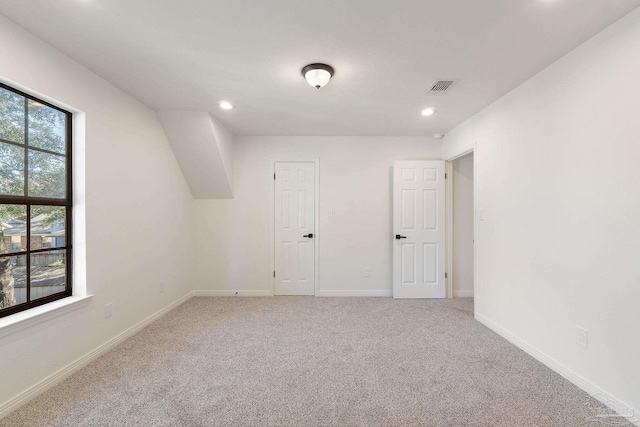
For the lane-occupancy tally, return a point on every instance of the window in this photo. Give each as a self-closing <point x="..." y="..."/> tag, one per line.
<point x="35" y="201"/>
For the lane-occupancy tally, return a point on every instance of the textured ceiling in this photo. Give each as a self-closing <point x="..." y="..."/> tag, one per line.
<point x="189" y="55"/>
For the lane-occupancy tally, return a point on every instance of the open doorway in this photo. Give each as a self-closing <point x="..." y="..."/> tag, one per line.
<point x="462" y="229"/>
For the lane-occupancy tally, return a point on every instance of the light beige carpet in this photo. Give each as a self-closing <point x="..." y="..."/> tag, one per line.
<point x="305" y="361"/>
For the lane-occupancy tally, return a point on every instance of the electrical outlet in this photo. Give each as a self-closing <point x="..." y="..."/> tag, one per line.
<point x="107" y="311"/>
<point x="330" y="215"/>
<point x="367" y="272"/>
<point x="582" y="337"/>
<point x="162" y="286"/>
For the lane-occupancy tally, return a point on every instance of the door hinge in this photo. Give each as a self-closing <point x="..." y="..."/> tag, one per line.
<point x="445" y="175"/>
<point x="274" y="176"/>
<point x="445" y="275"/>
<point x="274" y="274"/>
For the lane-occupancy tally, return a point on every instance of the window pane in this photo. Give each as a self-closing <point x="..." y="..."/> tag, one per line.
<point x="46" y="175"/>
<point x="13" y="280"/>
<point x="13" y="228"/>
<point x="11" y="170"/>
<point x="48" y="273"/>
<point x="46" y="127"/>
<point x="47" y="227"/>
<point x="11" y="116"/>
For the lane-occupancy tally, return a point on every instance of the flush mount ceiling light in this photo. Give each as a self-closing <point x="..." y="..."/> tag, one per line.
<point x="226" y="105"/>
<point x="317" y="75"/>
<point x="428" y="111"/>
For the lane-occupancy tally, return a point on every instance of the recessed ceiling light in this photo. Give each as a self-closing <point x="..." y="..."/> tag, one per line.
<point x="428" y="111"/>
<point x="438" y="135"/>
<point x="226" y="105"/>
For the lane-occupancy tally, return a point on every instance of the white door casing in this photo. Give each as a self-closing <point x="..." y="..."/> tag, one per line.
<point x="294" y="228"/>
<point x="419" y="221"/>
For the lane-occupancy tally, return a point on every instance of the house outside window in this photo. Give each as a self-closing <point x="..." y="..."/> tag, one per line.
<point x="35" y="201"/>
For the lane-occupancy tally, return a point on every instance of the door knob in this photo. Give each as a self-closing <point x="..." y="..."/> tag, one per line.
<point x="310" y="235"/>
<point x="400" y="237"/>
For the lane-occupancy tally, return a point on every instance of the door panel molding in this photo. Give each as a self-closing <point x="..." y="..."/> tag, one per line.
<point x="419" y="197"/>
<point x="294" y="221"/>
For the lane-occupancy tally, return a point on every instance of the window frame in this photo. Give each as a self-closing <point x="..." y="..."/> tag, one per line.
<point x="30" y="201"/>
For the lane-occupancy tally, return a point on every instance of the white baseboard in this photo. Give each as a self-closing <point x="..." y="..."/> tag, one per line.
<point x="370" y="293"/>
<point x="232" y="293"/>
<point x="592" y="389"/>
<point x="55" y="378"/>
<point x="268" y="293"/>
<point x="463" y="294"/>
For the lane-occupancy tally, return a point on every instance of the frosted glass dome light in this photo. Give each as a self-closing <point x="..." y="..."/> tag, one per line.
<point x="317" y="75"/>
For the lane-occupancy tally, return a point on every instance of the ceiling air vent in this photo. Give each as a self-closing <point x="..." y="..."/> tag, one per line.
<point x="440" y="87"/>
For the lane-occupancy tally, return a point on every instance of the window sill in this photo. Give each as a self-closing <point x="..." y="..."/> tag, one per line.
<point x="26" y="319"/>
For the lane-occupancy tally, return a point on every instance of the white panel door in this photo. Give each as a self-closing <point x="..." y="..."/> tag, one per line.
<point x="418" y="229"/>
<point x="294" y="228"/>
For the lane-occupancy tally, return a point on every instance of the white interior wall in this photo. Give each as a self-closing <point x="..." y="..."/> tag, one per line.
<point x="232" y="246"/>
<point x="462" y="171"/>
<point x="138" y="214"/>
<point x="224" y="139"/>
<point x="202" y="146"/>
<point x="557" y="173"/>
